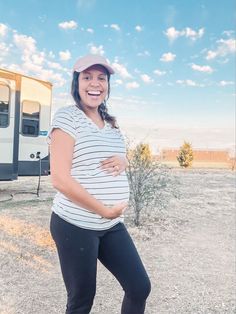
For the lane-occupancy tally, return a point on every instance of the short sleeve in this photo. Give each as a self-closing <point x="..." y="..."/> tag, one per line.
<point x="63" y="119"/>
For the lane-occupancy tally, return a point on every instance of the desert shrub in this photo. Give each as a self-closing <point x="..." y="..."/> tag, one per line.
<point x="151" y="183"/>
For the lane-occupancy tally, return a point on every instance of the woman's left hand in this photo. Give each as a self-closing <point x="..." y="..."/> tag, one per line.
<point x="115" y="164"/>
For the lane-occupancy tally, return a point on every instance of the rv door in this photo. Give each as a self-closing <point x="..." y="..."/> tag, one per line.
<point x="9" y="127"/>
<point x="35" y="116"/>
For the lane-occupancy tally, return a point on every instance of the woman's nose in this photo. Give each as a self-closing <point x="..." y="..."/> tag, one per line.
<point x="94" y="82"/>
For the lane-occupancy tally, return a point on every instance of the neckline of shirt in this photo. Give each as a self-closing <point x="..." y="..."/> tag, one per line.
<point x="90" y="121"/>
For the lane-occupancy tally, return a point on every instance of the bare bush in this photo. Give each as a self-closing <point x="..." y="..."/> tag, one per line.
<point x="151" y="183"/>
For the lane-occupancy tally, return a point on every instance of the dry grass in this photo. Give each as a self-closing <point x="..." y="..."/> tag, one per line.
<point x="26" y="231"/>
<point x="188" y="251"/>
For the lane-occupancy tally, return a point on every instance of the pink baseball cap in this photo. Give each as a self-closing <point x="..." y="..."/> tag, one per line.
<point x="87" y="61"/>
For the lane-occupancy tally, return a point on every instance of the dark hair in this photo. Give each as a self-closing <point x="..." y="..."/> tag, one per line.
<point x="102" y="108"/>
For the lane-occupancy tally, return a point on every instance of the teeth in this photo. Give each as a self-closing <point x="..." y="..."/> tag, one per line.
<point x="94" y="93"/>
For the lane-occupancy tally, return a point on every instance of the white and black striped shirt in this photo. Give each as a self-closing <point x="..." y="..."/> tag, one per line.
<point x="92" y="145"/>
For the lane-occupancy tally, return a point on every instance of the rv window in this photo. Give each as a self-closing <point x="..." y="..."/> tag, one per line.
<point x="30" y="118"/>
<point x="4" y="105"/>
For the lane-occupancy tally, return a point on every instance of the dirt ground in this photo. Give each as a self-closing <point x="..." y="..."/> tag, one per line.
<point x="188" y="250"/>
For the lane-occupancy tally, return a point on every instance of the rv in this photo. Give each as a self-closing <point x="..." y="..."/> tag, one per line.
<point x="25" y="112"/>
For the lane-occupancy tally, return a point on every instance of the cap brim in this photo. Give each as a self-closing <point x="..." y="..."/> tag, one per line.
<point x="88" y="65"/>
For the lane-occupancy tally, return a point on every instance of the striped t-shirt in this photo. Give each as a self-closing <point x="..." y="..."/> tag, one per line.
<point x="92" y="145"/>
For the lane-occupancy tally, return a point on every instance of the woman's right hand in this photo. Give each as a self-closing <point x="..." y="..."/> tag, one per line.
<point x="116" y="210"/>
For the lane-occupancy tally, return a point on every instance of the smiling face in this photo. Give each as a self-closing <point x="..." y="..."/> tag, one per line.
<point x="93" y="87"/>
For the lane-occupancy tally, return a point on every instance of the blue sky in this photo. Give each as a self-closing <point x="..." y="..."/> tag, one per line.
<point x="174" y="61"/>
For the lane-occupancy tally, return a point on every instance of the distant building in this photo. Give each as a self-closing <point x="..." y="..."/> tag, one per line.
<point x="204" y="158"/>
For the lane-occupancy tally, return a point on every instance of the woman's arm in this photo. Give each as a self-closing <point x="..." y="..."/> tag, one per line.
<point x="61" y="153"/>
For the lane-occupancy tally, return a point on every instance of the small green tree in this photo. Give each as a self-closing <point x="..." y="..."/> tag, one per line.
<point x="185" y="156"/>
<point x="148" y="181"/>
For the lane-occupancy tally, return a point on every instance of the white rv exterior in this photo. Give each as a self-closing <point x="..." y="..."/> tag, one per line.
<point x="25" y="113"/>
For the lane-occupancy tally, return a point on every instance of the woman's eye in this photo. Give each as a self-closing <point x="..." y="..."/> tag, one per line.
<point x="102" y="78"/>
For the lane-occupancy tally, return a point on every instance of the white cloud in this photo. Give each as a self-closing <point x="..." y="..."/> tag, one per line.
<point x="194" y="34"/>
<point x="228" y="33"/>
<point x="54" y="65"/>
<point x="4" y="49"/>
<point x="132" y="85"/>
<point x="224" y="61"/>
<point x="85" y="4"/>
<point x="68" y="25"/>
<point x="38" y="58"/>
<point x="225" y="47"/>
<point x="226" y="83"/>
<point x="168" y="57"/>
<point x="146" y="78"/>
<point x="25" y="43"/>
<point x="188" y="83"/>
<point x="121" y="70"/>
<point x="211" y="55"/>
<point x="187" y="32"/>
<point x="159" y="73"/>
<point x="29" y="66"/>
<point x="96" y="50"/>
<point x="31" y="61"/>
<point x="115" y="27"/>
<point x="44" y="74"/>
<point x="64" y="94"/>
<point x="172" y="33"/>
<point x="202" y="68"/>
<point x="229" y="44"/>
<point x="90" y="30"/>
<point x="65" y="55"/>
<point x="49" y="75"/>
<point x="51" y="55"/>
<point x="3" y="29"/>
<point x="138" y="28"/>
<point x="14" y="67"/>
<point x="119" y="82"/>
<point x="144" y="54"/>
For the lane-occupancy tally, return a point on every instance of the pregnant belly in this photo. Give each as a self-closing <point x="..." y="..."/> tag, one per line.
<point x="107" y="188"/>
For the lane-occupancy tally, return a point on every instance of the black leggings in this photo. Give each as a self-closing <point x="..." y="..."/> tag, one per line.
<point x="78" y="251"/>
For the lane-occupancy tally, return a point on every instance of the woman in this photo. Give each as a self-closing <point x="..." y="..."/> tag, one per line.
<point x="88" y="161"/>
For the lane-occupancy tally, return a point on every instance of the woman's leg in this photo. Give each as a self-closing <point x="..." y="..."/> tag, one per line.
<point x="77" y="249"/>
<point x="119" y="255"/>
